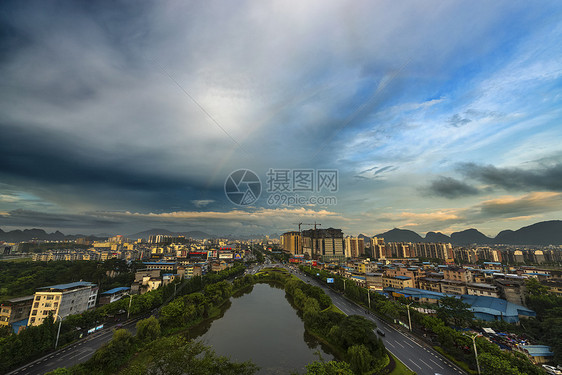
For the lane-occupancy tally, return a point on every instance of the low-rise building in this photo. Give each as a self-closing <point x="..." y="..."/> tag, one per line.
<point x="430" y="283"/>
<point x="478" y="289"/>
<point x="452" y="287"/>
<point x="374" y="280"/>
<point x="15" y="310"/>
<point x="398" y="282"/>
<point x="62" y="300"/>
<point x="113" y="295"/>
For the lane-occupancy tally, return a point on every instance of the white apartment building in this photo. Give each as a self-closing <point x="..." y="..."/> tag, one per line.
<point x="62" y="300"/>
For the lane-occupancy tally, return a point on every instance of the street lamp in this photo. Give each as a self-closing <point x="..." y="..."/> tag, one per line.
<point x="473" y="337"/>
<point x="130" y="300"/>
<point x="409" y="319"/>
<point x="58" y="331"/>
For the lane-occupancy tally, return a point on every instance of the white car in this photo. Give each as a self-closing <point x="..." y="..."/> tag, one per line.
<point x="552" y="370"/>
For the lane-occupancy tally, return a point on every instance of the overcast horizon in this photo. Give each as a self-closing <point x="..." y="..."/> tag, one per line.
<point x="125" y="116"/>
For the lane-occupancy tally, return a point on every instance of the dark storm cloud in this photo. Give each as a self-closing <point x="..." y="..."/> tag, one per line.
<point x="51" y="157"/>
<point x="450" y="188"/>
<point x="40" y="158"/>
<point x="542" y="177"/>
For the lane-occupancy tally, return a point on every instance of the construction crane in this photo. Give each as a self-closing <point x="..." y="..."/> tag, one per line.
<point x="299" y="224"/>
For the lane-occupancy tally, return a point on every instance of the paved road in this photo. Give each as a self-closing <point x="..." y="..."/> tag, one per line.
<point x="78" y="352"/>
<point x="414" y="353"/>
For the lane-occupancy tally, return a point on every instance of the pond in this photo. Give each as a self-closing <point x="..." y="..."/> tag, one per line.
<point x="263" y="327"/>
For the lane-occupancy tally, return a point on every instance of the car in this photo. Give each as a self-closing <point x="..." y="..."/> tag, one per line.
<point x="381" y="333"/>
<point x="552" y="370"/>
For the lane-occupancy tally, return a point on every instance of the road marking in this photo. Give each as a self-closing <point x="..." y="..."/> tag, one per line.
<point x="425" y="363"/>
<point x="389" y="343"/>
<point x="415" y="364"/>
<point x="87" y="354"/>
<point x="436" y="364"/>
<point x="407" y="343"/>
<point x="397" y="343"/>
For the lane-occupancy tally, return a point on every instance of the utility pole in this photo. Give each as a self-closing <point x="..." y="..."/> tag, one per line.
<point x="58" y="332"/>
<point x="409" y="319"/>
<point x="129" y="309"/>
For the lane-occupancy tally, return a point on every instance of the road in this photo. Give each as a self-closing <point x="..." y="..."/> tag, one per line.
<point x="78" y="352"/>
<point x="415" y="354"/>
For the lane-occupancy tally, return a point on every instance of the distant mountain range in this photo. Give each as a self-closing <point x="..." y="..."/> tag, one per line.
<point x="543" y="233"/>
<point x="39" y="234"/>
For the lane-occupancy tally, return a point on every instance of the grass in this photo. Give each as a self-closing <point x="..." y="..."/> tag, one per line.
<point x="400" y="368"/>
<point x="462" y="365"/>
<point x="333" y="308"/>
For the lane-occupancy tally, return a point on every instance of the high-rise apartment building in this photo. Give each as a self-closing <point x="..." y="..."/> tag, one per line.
<point x="291" y="242"/>
<point x="324" y="244"/>
<point x="354" y="247"/>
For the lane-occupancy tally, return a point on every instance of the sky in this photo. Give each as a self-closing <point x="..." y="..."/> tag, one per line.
<point x="118" y="117"/>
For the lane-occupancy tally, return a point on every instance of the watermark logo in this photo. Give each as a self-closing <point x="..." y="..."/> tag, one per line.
<point x="284" y="187"/>
<point x="242" y="187"/>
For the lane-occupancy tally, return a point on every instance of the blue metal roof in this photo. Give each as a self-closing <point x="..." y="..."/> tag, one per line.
<point x="115" y="290"/>
<point x="538" y="350"/>
<point x="485" y="308"/>
<point x="403" y="278"/>
<point x="68" y="286"/>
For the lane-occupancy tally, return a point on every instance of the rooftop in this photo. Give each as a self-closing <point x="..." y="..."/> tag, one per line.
<point x="74" y="285"/>
<point x="538" y="350"/>
<point x="116" y="290"/>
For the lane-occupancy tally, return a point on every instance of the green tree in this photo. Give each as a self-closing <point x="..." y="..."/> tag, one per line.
<point x="493" y="365"/>
<point x="360" y="359"/>
<point x="176" y="355"/>
<point x="113" y="354"/>
<point x="454" y="310"/>
<point x="328" y="368"/>
<point x="148" y="329"/>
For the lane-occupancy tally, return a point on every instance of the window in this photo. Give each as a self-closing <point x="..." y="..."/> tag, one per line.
<point x="32" y="320"/>
<point x="49" y="297"/>
<point x="34" y="312"/>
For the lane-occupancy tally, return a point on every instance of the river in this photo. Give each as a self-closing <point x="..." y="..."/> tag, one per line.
<point x="263" y="327"/>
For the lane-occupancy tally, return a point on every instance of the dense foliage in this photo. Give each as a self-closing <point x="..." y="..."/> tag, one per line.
<point x="19" y="279"/>
<point x="353" y="335"/>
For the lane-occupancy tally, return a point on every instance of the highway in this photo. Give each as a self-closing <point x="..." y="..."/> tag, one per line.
<point x="77" y="352"/>
<point x="415" y="354"/>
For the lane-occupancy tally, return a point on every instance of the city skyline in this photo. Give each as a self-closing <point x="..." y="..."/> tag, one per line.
<point x="124" y="117"/>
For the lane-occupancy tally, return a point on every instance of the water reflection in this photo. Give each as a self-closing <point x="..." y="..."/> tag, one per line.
<point x="259" y="325"/>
